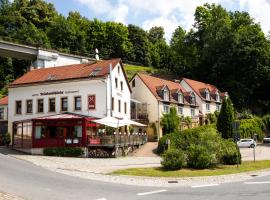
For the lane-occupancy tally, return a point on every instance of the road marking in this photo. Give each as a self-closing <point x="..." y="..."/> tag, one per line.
<point x="101" y="199"/>
<point x="208" y="185"/>
<point x="151" y="192"/>
<point x="253" y="183"/>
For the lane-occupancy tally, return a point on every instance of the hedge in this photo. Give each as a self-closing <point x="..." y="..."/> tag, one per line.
<point x="248" y="127"/>
<point x="173" y="159"/>
<point x="63" y="151"/>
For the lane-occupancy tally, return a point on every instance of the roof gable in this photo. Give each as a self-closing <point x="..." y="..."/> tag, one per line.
<point x="4" y="101"/>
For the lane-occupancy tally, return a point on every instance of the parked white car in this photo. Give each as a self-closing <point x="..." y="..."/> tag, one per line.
<point x="249" y="143"/>
<point x="266" y="139"/>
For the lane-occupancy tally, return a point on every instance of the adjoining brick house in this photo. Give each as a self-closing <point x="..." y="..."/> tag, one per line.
<point x="53" y="107"/>
<point x="3" y="116"/>
<point x="208" y="96"/>
<point x="159" y="95"/>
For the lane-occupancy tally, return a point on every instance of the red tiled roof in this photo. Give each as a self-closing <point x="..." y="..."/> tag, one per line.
<point x="200" y="87"/>
<point x="67" y="72"/>
<point x="4" y="100"/>
<point x="154" y="84"/>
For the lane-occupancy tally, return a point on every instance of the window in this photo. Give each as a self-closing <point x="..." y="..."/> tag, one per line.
<point x="133" y="83"/>
<point x="18" y="107"/>
<point x="112" y="103"/>
<point x="165" y="95"/>
<point x="118" y="69"/>
<point x="166" y="108"/>
<point x="77" y="103"/>
<point x="119" y="105"/>
<point x="207" y="95"/>
<point x="40" y="105"/>
<point x="52" y="105"/>
<point x="64" y="104"/>
<point x="180" y="110"/>
<point x="2" y="110"/>
<point x="29" y="106"/>
<point x="180" y="98"/>
<point x="218" y="108"/>
<point x="121" y="85"/>
<point x="217" y="97"/>
<point x="207" y="107"/>
<point x="116" y="82"/>
<point x="192" y="112"/>
<point x="192" y="99"/>
<point x="125" y="107"/>
<point x="95" y="71"/>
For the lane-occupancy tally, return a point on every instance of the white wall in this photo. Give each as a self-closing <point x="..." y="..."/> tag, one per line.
<point x="52" y="59"/>
<point x="5" y="112"/>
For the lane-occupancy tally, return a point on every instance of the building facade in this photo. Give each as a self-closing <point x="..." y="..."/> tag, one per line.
<point x="208" y="96"/>
<point x="56" y="106"/>
<point x="3" y="116"/>
<point x="159" y="95"/>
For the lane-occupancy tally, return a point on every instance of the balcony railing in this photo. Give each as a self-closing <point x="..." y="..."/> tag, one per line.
<point x="117" y="140"/>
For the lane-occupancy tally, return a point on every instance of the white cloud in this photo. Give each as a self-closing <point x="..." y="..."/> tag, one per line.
<point x="171" y="13"/>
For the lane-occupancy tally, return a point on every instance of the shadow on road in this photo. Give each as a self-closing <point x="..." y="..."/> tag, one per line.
<point x="8" y="151"/>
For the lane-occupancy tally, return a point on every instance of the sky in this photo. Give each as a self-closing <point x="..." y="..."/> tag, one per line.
<point x="166" y="13"/>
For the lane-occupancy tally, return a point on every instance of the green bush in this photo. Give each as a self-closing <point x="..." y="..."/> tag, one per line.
<point x="173" y="159"/>
<point x="6" y="139"/>
<point x="63" y="151"/>
<point x="198" y="157"/>
<point x="266" y="122"/>
<point x="248" y="127"/>
<point x="230" y="153"/>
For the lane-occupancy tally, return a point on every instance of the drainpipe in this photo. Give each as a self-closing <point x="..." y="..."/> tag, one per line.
<point x="158" y="122"/>
<point x="110" y="100"/>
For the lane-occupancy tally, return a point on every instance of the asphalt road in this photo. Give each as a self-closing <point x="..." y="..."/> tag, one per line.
<point x="32" y="182"/>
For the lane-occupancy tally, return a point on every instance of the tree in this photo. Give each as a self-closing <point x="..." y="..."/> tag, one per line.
<point x="225" y="119"/>
<point x="170" y="122"/>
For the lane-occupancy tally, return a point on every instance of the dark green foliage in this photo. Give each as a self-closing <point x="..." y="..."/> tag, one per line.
<point x="173" y="159"/>
<point x="225" y="119"/>
<point x="199" y="157"/>
<point x="63" y="151"/>
<point x="266" y="122"/>
<point x="170" y="122"/>
<point x="249" y="127"/>
<point x="230" y="153"/>
<point x="5" y="139"/>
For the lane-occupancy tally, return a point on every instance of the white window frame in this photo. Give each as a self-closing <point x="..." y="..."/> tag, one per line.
<point x="207" y="107"/>
<point x="180" y="98"/>
<point x="166" y="95"/>
<point x="166" y="108"/>
<point x="192" y="112"/>
<point x="180" y="110"/>
<point x="207" y="95"/>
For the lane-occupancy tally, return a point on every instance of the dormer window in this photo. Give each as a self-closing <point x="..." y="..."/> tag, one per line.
<point x="192" y="99"/>
<point x="180" y="98"/>
<point x="207" y="95"/>
<point x="217" y="97"/>
<point x="165" y="95"/>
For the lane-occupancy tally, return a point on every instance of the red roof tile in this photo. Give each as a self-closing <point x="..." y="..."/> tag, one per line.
<point x="154" y="84"/>
<point x="76" y="71"/>
<point x="4" y="101"/>
<point x="200" y="87"/>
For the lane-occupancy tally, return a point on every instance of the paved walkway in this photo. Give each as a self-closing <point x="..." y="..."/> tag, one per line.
<point x="6" y="196"/>
<point x="147" y="150"/>
<point x="262" y="152"/>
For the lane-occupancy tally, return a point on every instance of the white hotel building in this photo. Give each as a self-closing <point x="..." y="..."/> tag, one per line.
<point x="48" y="105"/>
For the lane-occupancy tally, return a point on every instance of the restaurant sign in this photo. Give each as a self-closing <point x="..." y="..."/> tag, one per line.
<point x="92" y="102"/>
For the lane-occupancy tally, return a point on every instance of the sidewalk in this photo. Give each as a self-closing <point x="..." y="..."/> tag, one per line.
<point x="6" y="196"/>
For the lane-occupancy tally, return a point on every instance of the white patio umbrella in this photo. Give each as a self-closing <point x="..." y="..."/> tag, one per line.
<point x="131" y="122"/>
<point x="111" y="121"/>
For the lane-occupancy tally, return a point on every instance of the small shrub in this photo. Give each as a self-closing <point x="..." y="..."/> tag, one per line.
<point x="63" y="151"/>
<point x="198" y="157"/>
<point x="6" y="139"/>
<point x="230" y="153"/>
<point x="173" y="159"/>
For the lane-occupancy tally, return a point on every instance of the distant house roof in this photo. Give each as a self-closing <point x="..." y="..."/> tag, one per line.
<point x="155" y="84"/>
<point x="4" y="101"/>
<point x="200" y="87"/>
<point x="68" y="72"/>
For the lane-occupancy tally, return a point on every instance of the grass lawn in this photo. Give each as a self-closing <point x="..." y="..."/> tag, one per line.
<point x="132" y="69"/>
<point x="219" y="170"/>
